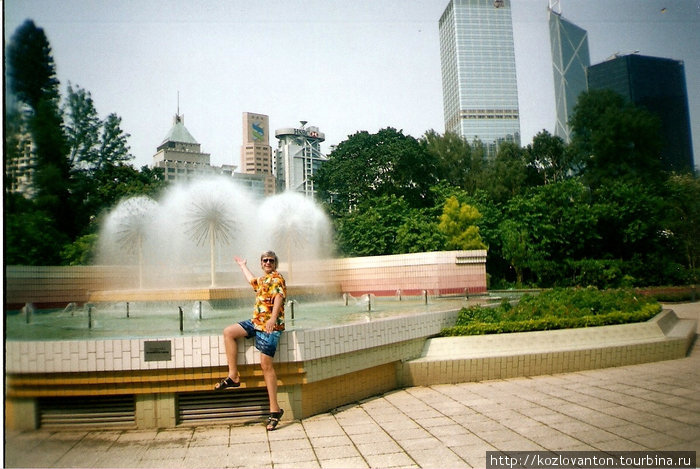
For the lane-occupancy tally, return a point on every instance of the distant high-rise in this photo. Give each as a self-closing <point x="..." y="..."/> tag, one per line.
<point x="570" y="58"/>
<point x="256" y="153"/>
<point x="20" y="149"/>
<point x="180" y="155"/>
<point x="298" y="158"/>
<point x="657" y="84"/>
<point x="479" y="84"/>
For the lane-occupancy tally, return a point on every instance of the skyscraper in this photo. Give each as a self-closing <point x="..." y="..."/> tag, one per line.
<point x="479" y="83"/>
<point x="657" y="84"/>
<point x="256" y="152"/>
<point x="570" y="58"/>
<point x="298" y="157"/>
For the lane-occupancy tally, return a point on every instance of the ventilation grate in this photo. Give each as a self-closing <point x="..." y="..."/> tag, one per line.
<point x="111" y="412"/>
<point x="228" y="406"/>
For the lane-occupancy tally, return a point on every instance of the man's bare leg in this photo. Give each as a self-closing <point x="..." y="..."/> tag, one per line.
<point x="270" y="376"/>
<point x="231" y="334"/>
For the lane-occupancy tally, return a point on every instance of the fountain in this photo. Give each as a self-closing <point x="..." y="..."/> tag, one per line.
<point x="198" y="227"/>
<point x="145" y="323"/>
<point x="128" y="223"/>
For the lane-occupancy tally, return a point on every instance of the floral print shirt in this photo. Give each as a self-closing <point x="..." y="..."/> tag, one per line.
<point x="266" y="288"/>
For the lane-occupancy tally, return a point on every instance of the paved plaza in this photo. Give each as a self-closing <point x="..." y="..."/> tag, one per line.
<point x="654" y="406"/>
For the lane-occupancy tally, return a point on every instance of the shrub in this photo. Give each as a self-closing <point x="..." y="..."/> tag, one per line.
<point x="556" y="309"/>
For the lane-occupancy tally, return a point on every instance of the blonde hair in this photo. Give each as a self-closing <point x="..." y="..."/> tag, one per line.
<point x="269" y="254"/>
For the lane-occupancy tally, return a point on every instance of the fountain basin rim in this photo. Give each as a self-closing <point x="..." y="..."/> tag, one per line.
<point x="200" y="294"/>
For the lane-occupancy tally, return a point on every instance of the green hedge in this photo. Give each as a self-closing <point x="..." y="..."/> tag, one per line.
<point x="562" y="308"/>
<point x="672" y="294"/>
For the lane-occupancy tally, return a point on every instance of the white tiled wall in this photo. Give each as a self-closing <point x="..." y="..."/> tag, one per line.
<point x="208" y="351"/>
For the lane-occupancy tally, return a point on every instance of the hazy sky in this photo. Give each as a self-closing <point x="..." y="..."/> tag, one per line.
<point x="343" y="66"/>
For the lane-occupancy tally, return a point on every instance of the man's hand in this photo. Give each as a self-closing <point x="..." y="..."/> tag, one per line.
<point x="240" y="261"/>
<point x="270" y="325"/>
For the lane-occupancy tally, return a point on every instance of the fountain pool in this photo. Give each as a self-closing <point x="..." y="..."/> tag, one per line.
<point x="141" y="319"/>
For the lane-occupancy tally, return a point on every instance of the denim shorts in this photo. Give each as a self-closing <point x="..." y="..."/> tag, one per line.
<point x="264" y="342"/>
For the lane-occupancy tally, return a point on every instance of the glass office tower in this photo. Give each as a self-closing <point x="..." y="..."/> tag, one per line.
<point x="479" y="83"/>
<point x="570" y="58"/>
<point x="657" y="84"/>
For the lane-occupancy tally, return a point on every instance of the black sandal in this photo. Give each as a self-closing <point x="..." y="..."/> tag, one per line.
<point x="227" y="383"/>
<point x="274" y="419"/>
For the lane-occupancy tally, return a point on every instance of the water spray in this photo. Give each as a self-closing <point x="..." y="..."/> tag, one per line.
<point x="28" y="308"/>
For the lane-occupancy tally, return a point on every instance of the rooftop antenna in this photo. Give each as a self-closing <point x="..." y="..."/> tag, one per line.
<point x="554" y="6"/>
<point x="622" y="54"/>
<point x="178" y="117"/>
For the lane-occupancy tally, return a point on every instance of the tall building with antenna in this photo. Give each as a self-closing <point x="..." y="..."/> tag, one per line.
<point x="479" y="84"/>
<point x="180" y="155"/>
<point x="297" y="158"/>
<point x="570" y="59"/>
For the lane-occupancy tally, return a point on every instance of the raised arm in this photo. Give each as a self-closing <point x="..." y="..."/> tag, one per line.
<point x="243" y="264"/>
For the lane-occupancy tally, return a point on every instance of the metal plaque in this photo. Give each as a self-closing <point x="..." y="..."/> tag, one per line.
<point x="157" y="350"/>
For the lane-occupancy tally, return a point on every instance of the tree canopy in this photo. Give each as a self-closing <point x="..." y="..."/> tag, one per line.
<point x="597" y="211"/>
<point x="80" y="161"/>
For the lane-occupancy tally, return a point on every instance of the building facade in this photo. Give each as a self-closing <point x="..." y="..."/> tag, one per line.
<point x="658" y="85"/>
<point x="256" y="152"/>
<point x="479" y="83"/>
<point x="20" y="156"/>
<point x="570" y="59"/>
<point x="297" y="158"/>
<point x="180" y="155"/>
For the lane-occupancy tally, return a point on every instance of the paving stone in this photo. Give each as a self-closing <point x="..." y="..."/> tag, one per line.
<point x="653" y="406"/>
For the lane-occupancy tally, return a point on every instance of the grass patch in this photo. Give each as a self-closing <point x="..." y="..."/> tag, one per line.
<point x="561" y="308"/>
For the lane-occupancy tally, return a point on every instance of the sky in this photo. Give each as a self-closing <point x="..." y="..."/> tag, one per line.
<point x="343" y="66"/>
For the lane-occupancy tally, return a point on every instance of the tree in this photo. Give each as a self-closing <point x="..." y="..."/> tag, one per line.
<point x="457" y="163"/>
<point x="30" y="67"/>
<point x="506" y="175"/>
<point x="458" y="223"/>
<point x="114" y="149"/>
<point x="370" y="165"/>
<point x="548" y="155"/>
<point x="629" y="219"/>
<point x="32" y="80"/>
<point x="515" y="247"/>
<point x="615" y="139"/>
<point x="82" y="129"/>
<point x="371" y="228"/>
<point x="548" y="224"/>
<point x="31" y="237"/>
<point x="419" y="232"/>
<point x="94" y="144"/>
<point x="682" y="219"/>
<point x="105" y="187"/>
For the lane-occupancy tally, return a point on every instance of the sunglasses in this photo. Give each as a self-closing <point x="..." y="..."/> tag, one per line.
<point x="268" y="260"/>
